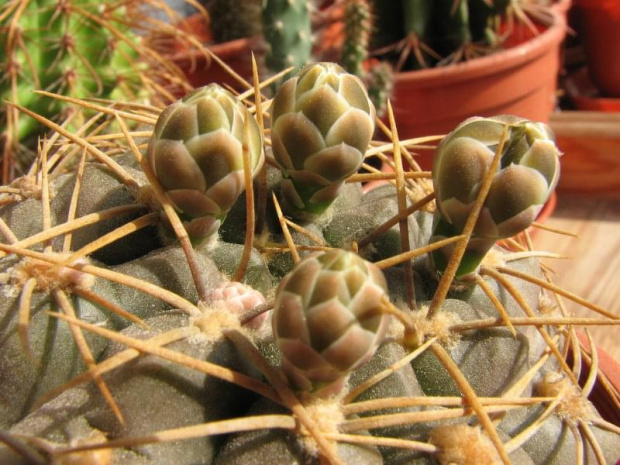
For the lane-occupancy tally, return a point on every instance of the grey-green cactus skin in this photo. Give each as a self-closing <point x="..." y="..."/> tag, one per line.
<point x="278" y="446"/>
<point x="152" y="393"/>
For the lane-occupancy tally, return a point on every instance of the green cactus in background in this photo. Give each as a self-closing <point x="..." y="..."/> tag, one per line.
<point x="234" y="19"/>
<point x="322" y="122"/>
<point x="437" y="32"/>
<point x="357" y="32"/>
<point x="302" y="344"/>
<point x="75" y="48"/>
<point x="328" y="319"/>
<point x="526" y="174"/>
<point x="288" y="32"/>
<point x="196" y="153"/>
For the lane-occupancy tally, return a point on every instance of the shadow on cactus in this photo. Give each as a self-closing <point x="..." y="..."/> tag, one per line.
<point x="332" y="339"/>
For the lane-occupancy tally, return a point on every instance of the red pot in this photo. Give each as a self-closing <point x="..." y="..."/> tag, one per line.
<point x="201" y="70"/>
<point x="520" y="80"/>
<point x="599" y="28"/>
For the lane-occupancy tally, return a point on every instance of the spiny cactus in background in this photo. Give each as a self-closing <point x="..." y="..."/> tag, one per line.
<point x="524" y="176"/>
<point x="232" y="20"/>
<point x="358" y="29"/>
<point x="75" y="48"/>
<point x="117" y="347"/>
<point x="357" y="32"/>
<point x="288" y="32"/>
<point x="322" y="122"/>
<point x="197" y="154"/>
<point x="328" y="319"/>
<point x="436" y="32"/>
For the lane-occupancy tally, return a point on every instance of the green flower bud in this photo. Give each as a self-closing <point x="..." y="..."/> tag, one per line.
<point x="328" y="319"/>
<point x="527" y="174"/>
<point x="322" y="122"/>
<point x="196" y="153"/>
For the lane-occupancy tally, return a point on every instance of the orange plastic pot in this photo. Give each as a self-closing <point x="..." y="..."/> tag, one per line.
<point x="520" y="80"/>
<point x="599" y="29"/>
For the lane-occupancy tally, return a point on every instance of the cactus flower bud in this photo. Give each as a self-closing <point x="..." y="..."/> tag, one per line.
<point x="196" y="153"/>
<point x="322" y="122"/>
<point x="238" y="298"/>
<point x="328" y="319"/>
<point x="528" y="172"/>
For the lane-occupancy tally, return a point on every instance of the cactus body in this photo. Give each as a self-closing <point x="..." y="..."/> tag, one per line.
<point x="358" y="28"/>
<point x="74" y="48"/>
<point x="346" y="371"/>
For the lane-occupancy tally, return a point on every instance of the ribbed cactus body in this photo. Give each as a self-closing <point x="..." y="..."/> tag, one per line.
<point x="357" y="29"/>
<point x="76" y="48"/>
<point x="288" y="32"/>
<point x="349" y="370"/>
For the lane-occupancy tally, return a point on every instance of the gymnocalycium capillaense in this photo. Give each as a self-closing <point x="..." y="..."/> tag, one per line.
<point x="327" y="339"/>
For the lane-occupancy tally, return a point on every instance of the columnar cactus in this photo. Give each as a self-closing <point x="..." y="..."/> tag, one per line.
<point x="287" y="29"/>
<point x="322" y="122"/>
<point x="527" y="174"/>
<point x="196" y="153"/>
<point x="328" y="319"/>
<point x="358" y="29"/>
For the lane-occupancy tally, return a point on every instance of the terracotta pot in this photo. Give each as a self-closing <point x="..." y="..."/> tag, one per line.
<point x="599" y="395"/>
<point x="599" y="29"/>
<point x="201" y="70"/>
<point x="520" y="80"/>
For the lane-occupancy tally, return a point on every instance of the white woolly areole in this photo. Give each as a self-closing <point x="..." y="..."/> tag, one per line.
<point x="326" y="414"/>
<point x="574" y="406"/>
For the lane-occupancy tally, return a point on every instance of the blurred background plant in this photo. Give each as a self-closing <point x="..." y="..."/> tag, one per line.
<point x="79" y="49"/>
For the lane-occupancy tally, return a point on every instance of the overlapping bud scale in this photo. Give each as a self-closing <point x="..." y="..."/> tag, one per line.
<point x="526" y="177"/>
<point x="322" y="123"/>
<point x="196" y="153"/>
<point x="528" y="173"/>
<point x="328" y="319"/>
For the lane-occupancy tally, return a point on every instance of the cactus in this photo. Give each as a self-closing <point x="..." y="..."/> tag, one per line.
<point x="288" y="32"/>
<point x="74" y="48"/>
<point x="163" y="353"/>
<point x="439" y="32"/>
<point x="234" y="20"/>
<point x="357" y="30"/>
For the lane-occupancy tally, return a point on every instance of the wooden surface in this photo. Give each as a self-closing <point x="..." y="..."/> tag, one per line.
<point x="593" y="269"/>
<point x="591" y="145"/>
